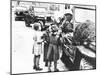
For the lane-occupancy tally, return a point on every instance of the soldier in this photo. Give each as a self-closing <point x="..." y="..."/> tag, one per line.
<point x="67" y="34"/>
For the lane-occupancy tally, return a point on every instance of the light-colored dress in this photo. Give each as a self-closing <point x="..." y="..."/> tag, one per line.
<point x="37" y="46"/>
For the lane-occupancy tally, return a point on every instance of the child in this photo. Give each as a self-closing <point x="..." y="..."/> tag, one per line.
<point x="53" y="47"/>
<point x="37" y="48"/>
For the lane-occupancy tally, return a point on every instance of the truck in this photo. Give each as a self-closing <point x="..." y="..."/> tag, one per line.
<point x="19" y="13"/>
<point x="35" y="14"/>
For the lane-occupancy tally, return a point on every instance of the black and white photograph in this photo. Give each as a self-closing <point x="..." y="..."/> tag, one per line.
<point x="48" y="37"/>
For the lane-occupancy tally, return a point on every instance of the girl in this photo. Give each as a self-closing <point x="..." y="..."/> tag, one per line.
<point x="37" y="48"/>
<point x="53" y="49"/>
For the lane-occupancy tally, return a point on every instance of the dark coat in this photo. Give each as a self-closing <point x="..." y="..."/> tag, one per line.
<point x="53" y="51"/>
<point x="46" y="44"/>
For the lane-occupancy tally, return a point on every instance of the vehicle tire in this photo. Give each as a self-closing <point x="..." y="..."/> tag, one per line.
<point x="32" y="25"/>
<point x="41" y="22"/>
<point x="16" y="19"/>
<point x="27" y="23"/>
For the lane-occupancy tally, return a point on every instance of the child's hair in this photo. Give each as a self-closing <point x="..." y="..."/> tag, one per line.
<point x="36" y="27"/>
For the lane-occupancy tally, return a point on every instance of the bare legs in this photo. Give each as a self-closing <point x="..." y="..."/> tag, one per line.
<point x="36" y="62"/>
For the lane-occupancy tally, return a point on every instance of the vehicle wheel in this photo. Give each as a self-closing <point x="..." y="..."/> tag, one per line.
<point x="32" y="25"/>
<point x="27" y="24"/>
<point x="41" y="22"/>
<point x="16" y="19"/>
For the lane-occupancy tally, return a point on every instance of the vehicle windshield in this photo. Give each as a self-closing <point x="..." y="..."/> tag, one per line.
<point x="20" y="8"/>
<point x="40" y="10"/>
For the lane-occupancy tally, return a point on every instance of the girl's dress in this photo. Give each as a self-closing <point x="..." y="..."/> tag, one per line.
<point x="37" y="47"/>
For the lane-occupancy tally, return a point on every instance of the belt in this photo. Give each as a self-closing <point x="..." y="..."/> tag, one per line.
<point x="53" y="43"/>
<point x="38" y="42"/>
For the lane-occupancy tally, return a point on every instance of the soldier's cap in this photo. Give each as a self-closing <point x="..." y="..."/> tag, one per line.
<point x="66" y="14"/>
